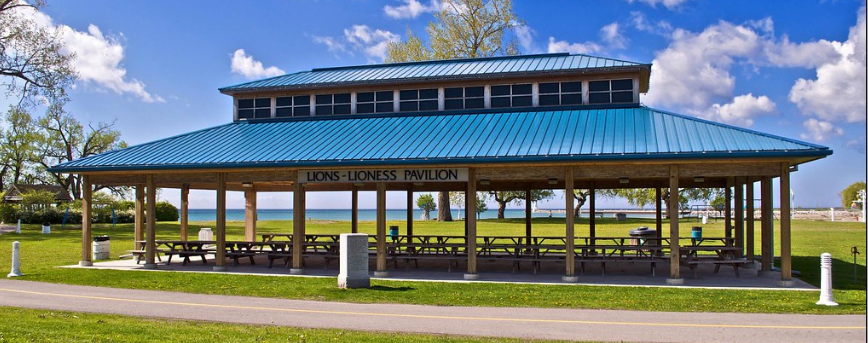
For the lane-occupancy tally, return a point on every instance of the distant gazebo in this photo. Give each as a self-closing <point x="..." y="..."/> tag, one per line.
<point x="14" y="194"/>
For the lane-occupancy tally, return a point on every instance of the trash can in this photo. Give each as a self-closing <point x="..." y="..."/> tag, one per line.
<point x="621" y="216"/>
<point x="696" y="232"/>
<point x="46" y="228"/>
<point x="393" y="232"/>
<point x="101" y="247"/>
<point x="205" y="234"/>
<point x="641" y="233"/>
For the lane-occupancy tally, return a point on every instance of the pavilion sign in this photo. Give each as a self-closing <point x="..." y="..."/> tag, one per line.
<point x="384" y="175"/>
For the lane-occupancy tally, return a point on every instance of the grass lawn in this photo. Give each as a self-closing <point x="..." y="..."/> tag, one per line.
<point x="41" y="254"/>
<point x="27" y="325"/>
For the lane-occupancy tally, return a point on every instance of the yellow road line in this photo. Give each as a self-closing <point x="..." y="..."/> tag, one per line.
<point x="423" y="316"/>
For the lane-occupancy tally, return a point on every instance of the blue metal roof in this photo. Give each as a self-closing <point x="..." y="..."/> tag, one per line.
<point x="624" y="133"/>
<point x="432" y="70"/>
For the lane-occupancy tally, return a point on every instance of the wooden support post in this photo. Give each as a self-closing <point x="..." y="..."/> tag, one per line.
<point x="749" y="224"/>
<point x="140" y="218"/>
<point x="570" y="258"/>
<point x="727" y="209"/>
<point x="766" y="223"/>
<point x="739" y="213"/>
<point x="354" y="221"/>
<point x="381" y="231"/>
<point x="86" y="224"/>
<point x="528" y="211"/>
<point x="297" y="228"/>
<point x="470" y="221"/>
<point x="185" y="209"/>
<point x="220" y="255"/>
<point x="151" y="224"/>
<point x="410" y="214"/>
<point x="674" y="244"/>
<point x="786" y="257"/>
<point x="250" y="215"/>
<point x="592" y="215"/>
<point x="658" y="200"/>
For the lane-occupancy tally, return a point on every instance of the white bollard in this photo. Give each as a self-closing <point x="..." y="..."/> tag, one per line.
<point x="826" y="281"/>
<point x="16" y="260"/>
<point x="18" y="228"/>
<point x="704" y="219"/>
<point x="832" y="211"/>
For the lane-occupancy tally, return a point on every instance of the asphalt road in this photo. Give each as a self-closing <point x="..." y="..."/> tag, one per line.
<point x="598" y="325"/>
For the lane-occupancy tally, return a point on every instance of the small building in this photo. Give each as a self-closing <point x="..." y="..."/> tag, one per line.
<point x="15" y="190"/>
<point x="550" y="121"/>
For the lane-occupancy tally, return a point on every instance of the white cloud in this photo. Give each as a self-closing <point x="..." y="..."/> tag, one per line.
<point x="857" y="144"/>
<point x="525" y="36"/>
<point x="670" y="4"/>
<point x="331" y="43"/>
<point x="573" y="48"/>
<point x="373" y="43"/>
<point x="411" y="9"/>
<point x="838" y="92"/>
<point x="245" y="65"/>
<point x="98" y="57"/>
<point x="740" y="111"/>
<point x="639" y="21"/>
<point x="820" y="131"/>
<point x="611" y="34"/>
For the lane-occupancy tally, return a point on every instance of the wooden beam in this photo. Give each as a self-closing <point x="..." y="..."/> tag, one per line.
<point x="739" y="212"/>
<point x="592" y="212"/>
<point x="250" y="214"/>
<point x="140" y="217"/>
<point x="786" y="257"/>
<point x="470" y="222"/>
<point x="528" y="211"/>
<point x="381" y="230"/>
<point x="674" y="246"/>
<point x="410" y="213"/>
<point x="766" y="230"/>
<point x="151" y="224"/>
<point x="749" y="224"/>
<point x="727" y="209"/>
<point x="185" y="211"/>
<point x="297" y="228"/>
<point x="220" y="255"/>
<point x="658" y="213"/>
<point x="354" y="220"/>
<point x="86" y="224"/>
<point x="570" y="235"/>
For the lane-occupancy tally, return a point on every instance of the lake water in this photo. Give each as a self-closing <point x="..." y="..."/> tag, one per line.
<point x="197" y="215"/>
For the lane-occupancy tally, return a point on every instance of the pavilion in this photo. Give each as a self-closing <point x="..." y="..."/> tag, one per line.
<point x="551" y="121"/>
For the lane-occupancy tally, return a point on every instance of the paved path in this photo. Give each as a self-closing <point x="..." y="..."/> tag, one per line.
<point x="630" y="326"/>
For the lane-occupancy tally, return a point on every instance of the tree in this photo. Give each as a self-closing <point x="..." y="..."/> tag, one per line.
<point x="457" y="198"/>
<point x="643" y="196"/>
<point x="37" y="199"/>
<point x="581" y="196"/>
<point x="481" y="206"/>
<point x="851" y="193"/>
<point x="462" y="29"/>
<point x="32" y="64"/>
<point x="19" y="145"/>
<point x="503" y="198"/>
<point x="425" y="202"/>
<point x="63" y="139"/>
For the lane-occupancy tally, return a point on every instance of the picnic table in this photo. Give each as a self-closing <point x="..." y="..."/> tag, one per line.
<point x="186" y="249"/>
<point x="724" y="253"/>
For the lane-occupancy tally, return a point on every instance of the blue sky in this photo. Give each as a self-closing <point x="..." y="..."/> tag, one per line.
<point x="795" y="68"/>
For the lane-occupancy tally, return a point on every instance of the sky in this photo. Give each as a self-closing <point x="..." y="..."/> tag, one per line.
<point x="794" y="69"/>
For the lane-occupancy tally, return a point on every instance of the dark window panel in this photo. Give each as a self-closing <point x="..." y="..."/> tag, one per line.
<point x="622" y="96"/>
<point x="428" y="105"/>
<point x="385" y="96"/>
<point x="450" y="93"/>
<point x="365" y="97"/>
<point x="571" y="87"/>
<point x="263" y="113"/>
<point x="323" y="110"/>
<point x="409" y="106"/>
<point x="343" y="98"/>
<point x="385" y="107"/>
<point x="522" y="101"/>
<point x="522" y="89"/>
<point x="622" y="85"/>
<point x="453" y="104"/>
<point x="263" y="102"/>
<point x="598" y="98"/>
<point x="283" y="112"/>
<point x="551" y="87"/>
<point x="428" y="93"/>
<point x="342" y="109"/>
<point x="285" y="101"/>
<point x="474" y="92"/>
<point x="245" y="114"/>
<point x="301" y="100"/>
<point x="300" y="111"/>
<point x="245" y="103"/>
<point x="365" y="108"/>
<point x="474" y="103"/>
<point x="323" y="99"/>
<point x="599" y="86"/>
<point x="412" y="94"/>
<point x="499" y="90"/>
<point x="549" y="100"/>
<point x="500" y="102"/>
<point x="571" y="99"/>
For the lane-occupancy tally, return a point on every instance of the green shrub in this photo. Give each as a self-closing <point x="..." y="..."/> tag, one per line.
<point x="166" y="212"/>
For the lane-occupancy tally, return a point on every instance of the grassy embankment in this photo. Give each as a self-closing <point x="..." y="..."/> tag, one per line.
<point x="41" y="255"/>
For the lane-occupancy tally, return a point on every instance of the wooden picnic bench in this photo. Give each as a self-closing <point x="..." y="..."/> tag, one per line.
<point x="725" y="253"/>
<point x="186" y="249"/>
